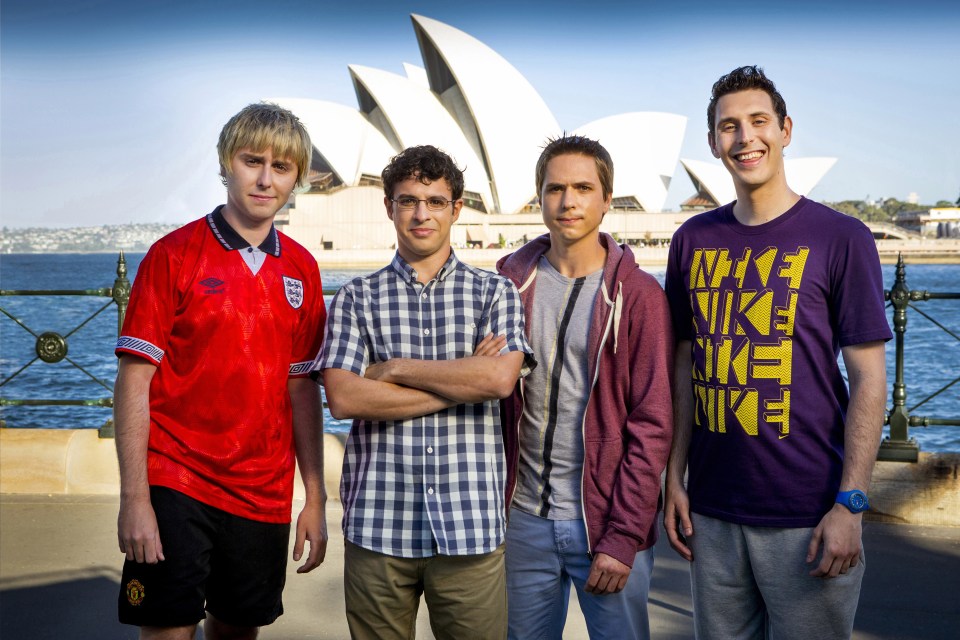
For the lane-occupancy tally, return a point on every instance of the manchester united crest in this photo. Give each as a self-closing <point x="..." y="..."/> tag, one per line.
<point x="135" y="592"/>
<point x="294" y="291"/>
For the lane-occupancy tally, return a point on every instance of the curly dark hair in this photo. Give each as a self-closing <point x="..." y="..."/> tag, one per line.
<point x="426" y="163"/>
<point x="742" y="79"/>
<point x="579" y="145"/>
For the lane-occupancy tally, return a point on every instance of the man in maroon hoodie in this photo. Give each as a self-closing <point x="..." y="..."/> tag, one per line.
<point x="588" y="432"/>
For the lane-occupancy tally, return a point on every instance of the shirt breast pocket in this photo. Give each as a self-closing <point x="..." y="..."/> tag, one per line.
<point x="462" y="331"/>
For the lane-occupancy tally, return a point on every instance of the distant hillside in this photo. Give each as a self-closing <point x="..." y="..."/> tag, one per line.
<point x="881" y="210"/>
<point x="105" y="238"/>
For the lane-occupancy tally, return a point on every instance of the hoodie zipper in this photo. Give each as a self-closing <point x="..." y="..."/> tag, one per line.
<point x="583" y="420"/>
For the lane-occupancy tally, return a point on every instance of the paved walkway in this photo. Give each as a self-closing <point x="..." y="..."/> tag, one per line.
<point x="60" y="570"/>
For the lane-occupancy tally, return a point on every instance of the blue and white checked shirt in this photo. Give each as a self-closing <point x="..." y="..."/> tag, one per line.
<point x="429" y="485"/>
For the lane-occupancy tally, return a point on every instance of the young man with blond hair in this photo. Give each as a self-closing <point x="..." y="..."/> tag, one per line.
<point x="213" y="403"/>
<point x="766" y="293"/>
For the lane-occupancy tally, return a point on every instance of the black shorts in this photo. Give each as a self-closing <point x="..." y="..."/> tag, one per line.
<point x="235" y="566"/>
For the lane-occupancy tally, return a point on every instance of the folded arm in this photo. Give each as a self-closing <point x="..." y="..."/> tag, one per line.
<point x="351" y="396"/>
<point x="476" y="378"/>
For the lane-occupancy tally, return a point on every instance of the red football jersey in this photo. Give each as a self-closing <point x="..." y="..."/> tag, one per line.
<point x="225" y="342"/>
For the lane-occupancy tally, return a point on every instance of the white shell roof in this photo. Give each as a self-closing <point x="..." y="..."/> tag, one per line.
<point x="417" y="117"/>
<point x="512" y="119"/>
<point x="713" y="179"/>
<point x="416" y="74"/>
<point x="343" y="136"/>
<point x="802" y="174"/>
<point x="645" y="147"/>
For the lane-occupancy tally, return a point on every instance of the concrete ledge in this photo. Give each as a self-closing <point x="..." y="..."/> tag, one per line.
<point x="926" y="492"/>
<point x="79" y="462"/>
<point x="35" y="460"/>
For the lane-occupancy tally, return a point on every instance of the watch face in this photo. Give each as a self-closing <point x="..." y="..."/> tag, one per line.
<point x="857" y="501"/>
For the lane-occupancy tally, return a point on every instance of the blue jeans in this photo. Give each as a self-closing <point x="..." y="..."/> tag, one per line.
<point x="543" y="558"/>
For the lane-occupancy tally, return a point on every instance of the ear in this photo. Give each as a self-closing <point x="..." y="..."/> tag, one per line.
<point x="787" y="131"/>
<point x="388" y="205"/>
<point x="711" y="141"/>
<point x="456" y="210"/>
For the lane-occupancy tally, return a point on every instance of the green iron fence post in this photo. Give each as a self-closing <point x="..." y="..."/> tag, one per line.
<point x="121" y="295"/>
<point x="121" y="291"/>
<point x="898" y="445"/>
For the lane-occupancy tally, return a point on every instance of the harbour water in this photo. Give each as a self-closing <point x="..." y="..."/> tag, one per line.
<point x="932" y="357"/>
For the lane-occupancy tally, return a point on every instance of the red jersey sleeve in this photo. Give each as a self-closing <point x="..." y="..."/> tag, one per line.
<point x="309" y="332"/>
<point x="150" y="313"/>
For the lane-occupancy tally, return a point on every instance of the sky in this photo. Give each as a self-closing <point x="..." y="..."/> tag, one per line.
<point x="110" y="109"/>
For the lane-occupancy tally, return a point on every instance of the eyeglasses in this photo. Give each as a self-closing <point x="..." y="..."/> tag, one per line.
<point x="407" y="203"/>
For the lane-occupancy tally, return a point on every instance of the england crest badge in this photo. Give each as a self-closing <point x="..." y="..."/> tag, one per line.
<point x="294" y="290"/>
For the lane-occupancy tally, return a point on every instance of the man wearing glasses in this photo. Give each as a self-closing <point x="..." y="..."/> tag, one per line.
<point x="419" y="354"/>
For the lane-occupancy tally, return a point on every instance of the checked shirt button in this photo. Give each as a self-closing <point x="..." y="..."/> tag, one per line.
<point x="426" y="332"/>
<point x="430" y="490"/>
<point x="429" y="449"/>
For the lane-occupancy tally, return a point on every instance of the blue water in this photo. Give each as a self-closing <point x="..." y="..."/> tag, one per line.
<point x="932" y="357"/>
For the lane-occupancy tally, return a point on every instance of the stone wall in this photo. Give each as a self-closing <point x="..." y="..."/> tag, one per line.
<point x="77" y="461"/>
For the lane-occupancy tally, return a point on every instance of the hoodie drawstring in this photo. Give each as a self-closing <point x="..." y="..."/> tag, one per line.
<point x="530" y="279"/>
<point x="617" y="304"/>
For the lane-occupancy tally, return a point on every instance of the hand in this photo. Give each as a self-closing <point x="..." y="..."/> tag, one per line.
<point x="137" y="531"/>
<point x="839" y="532"/>
<point x="491" y="345"/>
<point x="378" y="371"/>
<point x="676" y="518"/>
<point x="607" y="575"/>
<point x="312" y="527"/>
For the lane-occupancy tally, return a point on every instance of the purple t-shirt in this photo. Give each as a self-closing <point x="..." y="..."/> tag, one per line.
<point x="767" y="309"/>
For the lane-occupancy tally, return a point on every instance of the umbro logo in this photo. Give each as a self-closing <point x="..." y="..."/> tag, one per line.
<point x="212" y="285"/>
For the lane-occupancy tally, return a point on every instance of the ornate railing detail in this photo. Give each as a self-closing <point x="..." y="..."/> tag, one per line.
<point x="899" y="446"/>
<point x="52" y="347"/>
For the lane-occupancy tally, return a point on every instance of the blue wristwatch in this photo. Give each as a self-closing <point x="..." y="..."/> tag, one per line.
<point x="855" y="500"/>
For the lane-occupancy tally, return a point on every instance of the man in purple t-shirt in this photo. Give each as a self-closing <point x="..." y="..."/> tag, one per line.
<point x="766" y="292"/>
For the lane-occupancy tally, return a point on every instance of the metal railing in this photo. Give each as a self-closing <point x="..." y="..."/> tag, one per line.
<point x="899" y="446"/>
<point x="52" y="347"/>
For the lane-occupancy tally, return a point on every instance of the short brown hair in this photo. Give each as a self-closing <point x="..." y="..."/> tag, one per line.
<point x="583" y="146"/>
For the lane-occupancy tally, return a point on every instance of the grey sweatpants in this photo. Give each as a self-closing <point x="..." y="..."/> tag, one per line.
<point x="753" y="583"/>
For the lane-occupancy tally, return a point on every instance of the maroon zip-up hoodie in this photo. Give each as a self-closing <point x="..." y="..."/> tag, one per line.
<point x="628" y="421"/>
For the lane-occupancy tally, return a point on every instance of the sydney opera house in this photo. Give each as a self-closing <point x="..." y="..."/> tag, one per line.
<point x="469" y="101"/>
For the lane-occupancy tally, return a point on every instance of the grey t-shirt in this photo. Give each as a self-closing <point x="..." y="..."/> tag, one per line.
<point x="555" y="395"/>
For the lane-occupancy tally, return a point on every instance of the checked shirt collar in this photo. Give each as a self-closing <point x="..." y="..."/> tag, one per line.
<point x="409" y="275"/>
